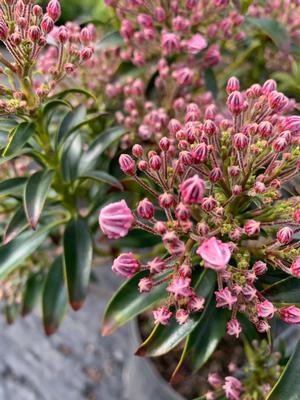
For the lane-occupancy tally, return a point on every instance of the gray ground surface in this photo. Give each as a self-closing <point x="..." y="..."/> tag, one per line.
<point x="76" y="363"/>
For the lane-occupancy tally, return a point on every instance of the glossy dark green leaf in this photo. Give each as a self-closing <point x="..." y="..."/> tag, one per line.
<point x="35" y="194"/>
<point x="104" y="177"/>
<point x="288" y="385"/>
<point x="11" y="186"/>
<point x="70" y="157"/>
<point x="165" y="338"/>
<point x="274" y="30"/>
<point x="19" y="137"/>
<point x="285" y="292"/>
<point x="203" y="341"/>
<point x="128" y="302"/>
<point x="17" y="250"/>
<point x="55" y="298"/>
<point x="73" y="118"/>
<point x="90" y="159"/>
<point x="53" y="104"/>
<point x="88" y="121"/>
<point x="65" y="93"/>
<point x="211" y="82"/>
<point x="33" y="289"/>
<point x="78" y="251"/>
<point x="111" y="40"/>
<point x="17" y="224"/>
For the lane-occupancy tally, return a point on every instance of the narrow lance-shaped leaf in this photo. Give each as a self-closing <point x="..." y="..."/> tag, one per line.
<point x="165" y="338"/>
<point x="104" y="177"/>
<point x="11" y="186"/>
<point x="72" y="119"/>
<point x="35" y="194"/>
<point x="78" y="251"/>
<point x="16" y="225"/>
<point x="288" y="385"/>
<point x="284" y="292"/>
<point x="19" y="137"/>
<point x="55" y="298"/>
<point x="128" y="302"/>
<point x="33" y="289"/>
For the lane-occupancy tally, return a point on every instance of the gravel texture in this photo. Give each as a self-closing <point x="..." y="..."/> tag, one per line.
<point x="76" y="363"/>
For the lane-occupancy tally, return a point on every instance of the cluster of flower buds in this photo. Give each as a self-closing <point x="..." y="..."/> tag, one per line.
<point x="216" y="186"/>
<point x="25" y="30"/>
<point x="286" y="12"/>
<point x="165" y="30"/>
<point x="254" y="381"/>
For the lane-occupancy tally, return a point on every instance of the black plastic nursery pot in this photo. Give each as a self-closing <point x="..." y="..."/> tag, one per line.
<point x="141" y="379"/>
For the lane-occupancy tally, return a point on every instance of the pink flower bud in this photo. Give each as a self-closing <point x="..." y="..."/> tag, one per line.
<point x="215" y="174"/>
<point x="215" y="254"/>
<point x="209" y="203"/>
<point x="290" y="315"/>
<point x="279" y="144"/>
<point x="155" y="162"/>
<point x="252" y="228"/>
<point x="262" y="326"/>
<point x="34" y="33"/>
<point x="37" y="10"/>
<point x="234" y="171"/>
<point x="234" y="328"/>
<point x="160" y="227"/>
<point x="196" y="44"/>
<point x="236" y="190"/>
<point x="164" y="144"/>
<point x="47" y="24"/>
<point x="145" y="285"/>
<point x="174" y="126"/>
<point x="143" y="165"/>
<point x="285" y="235"/>
<point x="269" y="86"/>
<point x="62" y="34"/>
<point x="277" y="101"/>
<point x="137" y="151"/>
<point x="54" y="9"/>
<point x="260" y="268"/>
<point x="295" y="268"/>
<point x="233" y="85"/>
<point x="182" y="212"/>
<point x="86" y="53"/>
<point x="126" y="265"/>
<point x="192" y="190"/>
<point x="240" y="141"/>
<point x="127" y="164"/>
<point x="297" y="216"/>
<point x="85" y="36"/>
<point x="145" y="209"/>
<point x="166" y="200"/>
<point x="209" y="127"/>
<point x="159" y="14"/>
<point x="180" y="287"/>
<point x="225" y="298"/>
<point x="196" y="303"/>
<point x="162" y="315"/>
<point x="200" y="153"/>
<point x="235" y="102"/>
<point x="116" y="219"/>
<point x="170" y="43"/>
<point x="265" y="309"/>
<point x="182" y="316"/>
<point x="249" y="292"/>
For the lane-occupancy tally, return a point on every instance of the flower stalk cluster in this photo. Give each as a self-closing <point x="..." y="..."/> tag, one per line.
<point x="215" y="199"/>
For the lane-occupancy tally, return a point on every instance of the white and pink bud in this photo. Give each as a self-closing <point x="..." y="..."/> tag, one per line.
<point x="126" y="265"/>
<point x="116" y="219"/>
<point x="285" y="235"/>
<point x="127" y="164"/>
<point x="260" y="268"/>
<point x="265" y="309"/>
<point x="145" y="209"/>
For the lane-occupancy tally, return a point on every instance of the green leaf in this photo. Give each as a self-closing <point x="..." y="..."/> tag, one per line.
<point x="88" y="121"/>
<point x="17" y="250"/>
<point x="112" y="39"/>
<point x="274" y="30"/>
<point x="165" y="338"/>
<point x="11" y="311"/>
<point x="10" y="186"/>
<point x="128" y="302"/>
<point x="102" y="176"/>
<point x="19" y="137"/>
<point x="35" y="194"/>
<point x="54" y="297"/>
<point x="78" y="252"/>
<point x="33" y="289"/>
<point x="284" y="292"/>
<point x="90" y="159"/>
<point x="73" y="118"/>
<point x="203" y="341"/>
<point x="53" y="104"/>
<point x="17" y="224"/>
<point x="65" y="93"/>
<point x="70" y="157"/>
<point x="288" y="385"/>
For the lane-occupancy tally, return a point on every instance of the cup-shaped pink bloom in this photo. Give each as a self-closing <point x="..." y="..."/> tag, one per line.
<point x="196" y="44"/>
<point x="116" y="219"/>
<point x="232" y="388"/>
<point x="192" y="190"/>
<point x="126" y="265"/>
<point x="215" y="254"/>
<point x="290" y="315"/>
<point x="162" y="315"/>
<point x="265" y="309"/>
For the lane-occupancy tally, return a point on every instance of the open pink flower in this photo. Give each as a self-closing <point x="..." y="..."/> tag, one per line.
<point x="215" y="254"/>
<point x="225" y="298"/>
<point x="162" y="315"/>
<point x="180" y="287"/>
<point x="196" y="44"/>
<point x="116" y="219"/>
